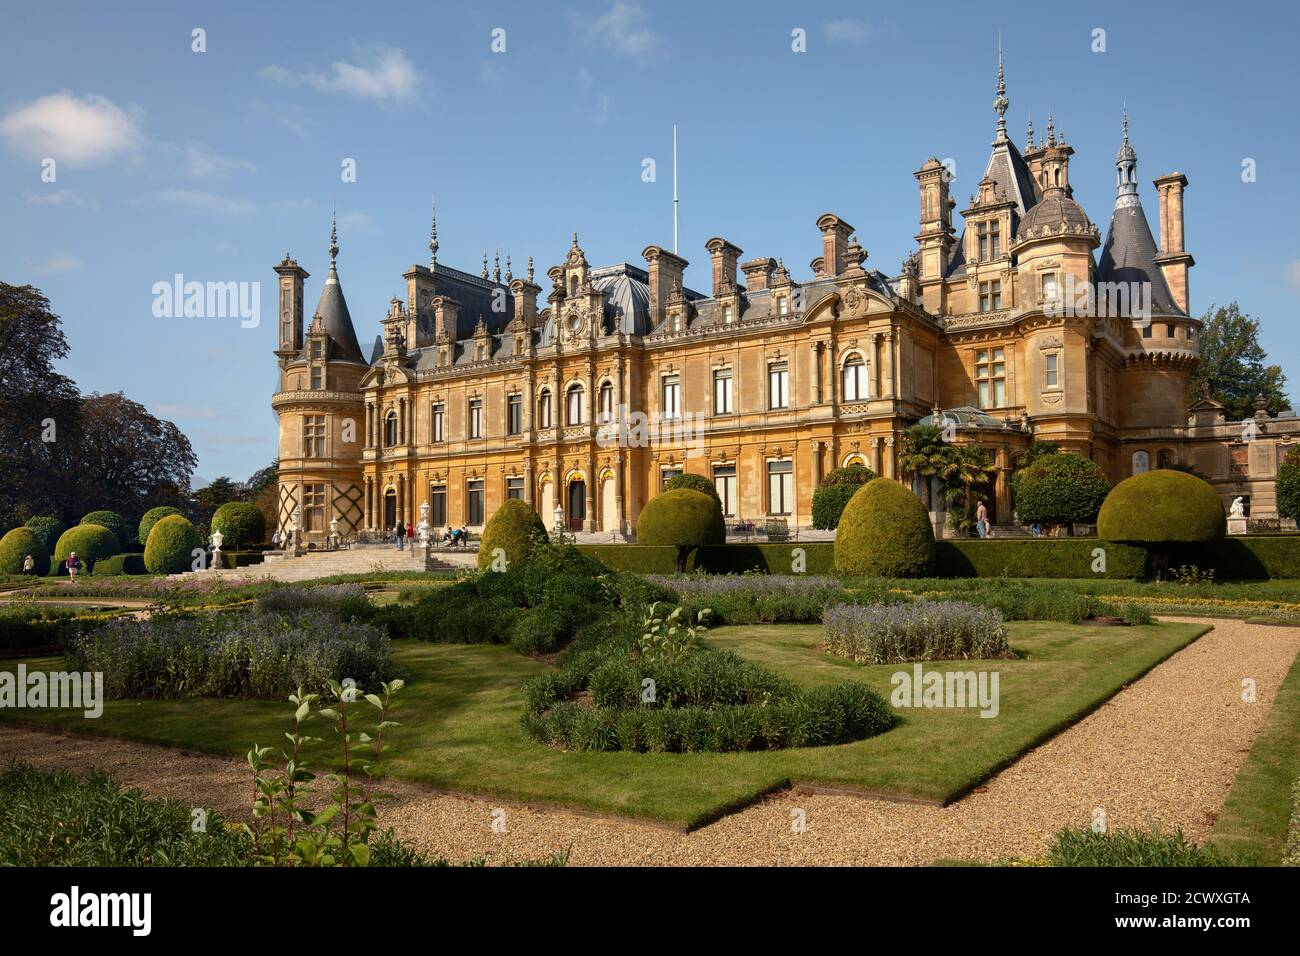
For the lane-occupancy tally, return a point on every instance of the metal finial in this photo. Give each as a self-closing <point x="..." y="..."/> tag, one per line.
<point x="433" y="236"/>
<point x="496" y="266"/>
<point x="530" y="268"/>
<point x="575" y="238"/>
<point x="1029" y="135"/>
<point x="509" y="275"/>
<point x="1051" y="131"/>
<point x="334" y="237"/>
<point x="1125" y="121"/>
<point x="484" y="273"/>
<point x="1000" y="102"/>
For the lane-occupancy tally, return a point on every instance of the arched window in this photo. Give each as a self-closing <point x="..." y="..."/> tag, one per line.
<point x="1141" y="462"/>
<point x="544" y="409"/>
<point x="573" y="406"/>
<point x="390" y="429"/>
<point x="606" y="402"/>
<point x="573" y="286"/>
<point x="854" y="377"/>
<point x="1164" y="457"/>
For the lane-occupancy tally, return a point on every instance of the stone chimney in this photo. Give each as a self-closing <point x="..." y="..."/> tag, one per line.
<point x="1173" y="260"/>
<point x="758" y="273"/>
<point x="525" y="292"/>
<point x="835" y="241"/>
<point x="666" y="270"/>
<point x="445" y="311"/>
<point x="724" y="257"/>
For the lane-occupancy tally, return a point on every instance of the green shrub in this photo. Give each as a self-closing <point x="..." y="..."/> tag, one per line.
<point x="114" y="522"/>
<point x="855" y="475"/>
<point x="16" y="545"/>
<point x="1036" y="558"/>
<point x="684" y="519"/>
<point x="1287" y="485"/>
<point x="151" y="518"/>
<point x="241" y="525"/>
<point x="91" y="542"/>
<point x="48" y="529"/>
<point x="695" y="483"/>
<point x="1162" y="507"/>
<point x="1060" y="489"/>
<point x="1123" y="847"/>
<point x="129" y="563"/>
<point x="828" y="504"/>
<point x="916" y="631"/>
<point x="884" y="532"/>
<point x="515" y="529"/>
<point x="171" y="544"/>
<point x="637" y="558"/>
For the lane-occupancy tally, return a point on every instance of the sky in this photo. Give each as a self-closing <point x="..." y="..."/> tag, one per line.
<point x="529" y="121"/>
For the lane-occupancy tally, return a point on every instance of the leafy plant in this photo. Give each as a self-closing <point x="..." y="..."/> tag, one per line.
<point x="668" y="638"/>
<point x="1081" y="846"/>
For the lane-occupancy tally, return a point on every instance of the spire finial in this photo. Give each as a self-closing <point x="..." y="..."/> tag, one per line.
<point x="1051" y="131"/>
<point x="1126" y="192"/>
<point x="496" y="266"/>
<point x="484" y="273"/>
<point x="1126" y="121"/>
<point x="334" y="237"/>
<point x="575" y="238"/>
<point x="1029" y="135"/>
<point x="1000" y="102"/>
<point x="433" y="235"/>
<point x="509" y="274"/>
<point x="530" y="268"/>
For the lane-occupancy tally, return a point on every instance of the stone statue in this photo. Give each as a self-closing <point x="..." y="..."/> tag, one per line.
<point x="1238" y="510"/>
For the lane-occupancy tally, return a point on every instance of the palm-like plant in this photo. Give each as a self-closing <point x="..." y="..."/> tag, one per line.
<point x="924" y="455"/>
<point x="970" y="469"/>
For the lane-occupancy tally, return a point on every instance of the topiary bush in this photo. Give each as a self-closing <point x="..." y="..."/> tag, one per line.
<point x="48" y="529"/>
<point x="90" y="541"/>
<point x="1288" y="485"/>
<point x="682" y="518"/>
<point x="129" y="563"/>
<point x="171" y="544"/>
<point x="884" y="532"/>
<point x="1162" y="509"/>
<point x="1060" y="489"/>
<point x="241" y="525"/>
<point x="694" y="483"/>
<point x="828" y="504"/>
<point x="515" y="529"/>
<point x="855" y="474"/>
<point x="151" y="518"/>
<point x="114" y="522"/>
<point x="16" y="545"/>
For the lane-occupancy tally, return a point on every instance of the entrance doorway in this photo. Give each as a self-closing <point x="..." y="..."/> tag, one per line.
<point x="390" y="510"/>
<point x="577" y="510"/>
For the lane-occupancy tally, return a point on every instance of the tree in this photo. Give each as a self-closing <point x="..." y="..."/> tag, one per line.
<point x="1232" y="365"/>
<point x="924" y="455"/>
<point x="218" y="492"/>
<point x="1288" y="485"/>
<point x="836" y="490"/>
<point x="969" y="470"/>
<point x="1060" y="489"/>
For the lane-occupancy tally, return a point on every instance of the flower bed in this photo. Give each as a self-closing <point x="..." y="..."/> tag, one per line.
<point x="920" y="631"/>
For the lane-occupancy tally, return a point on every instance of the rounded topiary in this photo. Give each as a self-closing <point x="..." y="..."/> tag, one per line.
<point x="828" y="504"/>
<point x="241" y="525"/>
<point x="90" y="541"/>
<point x="694" y="483"/>
<point x="514" y="529"/>
<point x="16" y="545"/>
<point x="114" y="522"/>
<point x="1288" y="485"/>
<point x="884" y="532"/>
<point x="151" y="518"/>
<point x="48" y="529"/>
<point x="1162" y="507"/>
<point x="1060" y="488"/>
<point x="855" y="474"/>
<point x="682" y="518"/>
<point x="171" y="544"/>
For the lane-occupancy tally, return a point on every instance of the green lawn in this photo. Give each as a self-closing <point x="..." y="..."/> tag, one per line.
<point x="461" y="730"/>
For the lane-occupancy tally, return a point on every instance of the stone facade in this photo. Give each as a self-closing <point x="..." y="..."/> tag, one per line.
<point x="583" y="404"/>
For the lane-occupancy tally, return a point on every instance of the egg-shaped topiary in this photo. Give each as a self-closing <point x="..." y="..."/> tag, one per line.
<point x="16" y="545"/>
<point x="241" y="525"/>
<point x="1062" y="488"/>
<point x="884" y="532"/>
<point x="171" y="544"/>
<point x="836" y="491"/>
<point x="1162" y="507"/>
<point x="682" y="518"/>
<point x="122" y="529"/>
<point x="47" y="528"/>
<point x="151" y="518"/>
<point x="694" y="482"/>
<point x="90" y="542"/>
<point x="514" y="530"/>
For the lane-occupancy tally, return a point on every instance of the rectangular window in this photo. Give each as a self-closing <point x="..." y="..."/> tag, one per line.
<point x="1050" y="368"/>
<point x="438" y="505"/>
<point x="991" y="296"/>
<point x="1169" y="330"/>
<point x="474" y="502"/>
<point x="854" y="379"/>
<point x="437" y="428"/>
<point x="514" y="414"/>
<point x="724" y="480"/>
<point x="316" y="348"/>
<point x="544" y="410"/>
<point x="475" y="418"/>
<point x="313" y="507"/>
<point x="780" y="487"/>
<point x="991" y="377"/>
<point x="782" y="305"/>
<point x="667" y="475"/>
<point x="728" y="315"/>
<point x="1146" y="329"/>
<point x="515" y="489"/>
<point x="317" y="377"/>
<point x="983" y="232"/>
<point x="1049" y="288"/>
<point x="672" y="396"/>
<point x="313" y="436"/>
<point x="722" y="391"/>
<point x="778" y="385"/>
<point x="995" y="239"/>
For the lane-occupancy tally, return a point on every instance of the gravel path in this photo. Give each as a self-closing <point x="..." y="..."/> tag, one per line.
<point x="1166" y="749"/>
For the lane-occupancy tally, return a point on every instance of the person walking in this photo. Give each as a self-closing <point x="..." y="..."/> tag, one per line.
<point x="275" y="539"/>
<point x="401" y="535"/>
<point x="410" y="536"/>
<point x="29" y="565"/>
<point x="982" y="520"/>
<point x="73" y="564"/>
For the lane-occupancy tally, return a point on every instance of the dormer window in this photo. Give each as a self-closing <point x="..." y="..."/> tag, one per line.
<point x="728" y="314"/>
<point x="782" y="305"/>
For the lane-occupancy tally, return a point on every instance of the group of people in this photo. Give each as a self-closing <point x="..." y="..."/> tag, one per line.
<point x="454" y="537"/>
<point x="72" y="564"/>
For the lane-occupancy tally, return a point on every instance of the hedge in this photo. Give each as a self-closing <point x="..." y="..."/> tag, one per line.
<point x="171" y="546"/>
<point x="241" y="524"/>
<point x="91" y="542"/>
<point x="514" y="529"/>
<point x="1162" y="507"/>
<point x="818" y="557"/>
<point x="1035" y="558"/>
<point x="151" y="518"/>
<point x="114" y="522"/>
<point x="16" y="545"/>
<point x="131" y="563"/>
<point x="885" y="532"/>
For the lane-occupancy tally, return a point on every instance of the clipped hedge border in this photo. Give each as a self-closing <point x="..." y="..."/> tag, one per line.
<point x="117" y="564"/>
<point x="1036" y="558"/>
<point x="819" y="557"/>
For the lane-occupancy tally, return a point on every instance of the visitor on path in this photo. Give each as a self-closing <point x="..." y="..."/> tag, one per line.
<point x="410" y="535"/>
<point x="29" y="565"/>
<point x="73" y="564"/>
<point x="401" y="535"/>
<point x="982" y="520"/>
<point x="275" y="539"/>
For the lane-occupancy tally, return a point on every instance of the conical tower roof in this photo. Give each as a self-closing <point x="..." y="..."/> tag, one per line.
<point x="332" y="309"/>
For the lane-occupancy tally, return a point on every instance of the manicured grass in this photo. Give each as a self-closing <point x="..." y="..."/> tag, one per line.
<point x="1252" y="826"/>
<point x="461" y="729"/>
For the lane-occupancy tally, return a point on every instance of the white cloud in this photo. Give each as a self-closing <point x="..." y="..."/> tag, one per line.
<point x="623" y="29"/>
<point x="58" y="263"/>
<point x="71" y="130"/>
<point x="383" y="74"/>
<point x="846" y="31"/>
<point x="1293" y="274"/>
<point x="60" y="197"/>
<point x="196" y="200"/>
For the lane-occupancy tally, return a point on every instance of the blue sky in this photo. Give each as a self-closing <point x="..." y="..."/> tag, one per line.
<point x="215" y="164"/>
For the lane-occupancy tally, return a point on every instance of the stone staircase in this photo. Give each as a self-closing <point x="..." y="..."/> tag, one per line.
<point x="359" y="559"/>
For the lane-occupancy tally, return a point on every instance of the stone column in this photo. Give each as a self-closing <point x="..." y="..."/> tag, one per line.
<point x="819" y="351"/>
<point x="818" y="474"/>
<point x="887" y="360"/>
<point x="873" y="365"/>
<point x="619" y="469"/>
<point x="528" y="483"/>
<point x="890" y="458"/>
<point x="589" y="522"/>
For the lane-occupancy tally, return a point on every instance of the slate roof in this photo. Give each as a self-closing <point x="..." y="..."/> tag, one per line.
<point x="337" y="321"/>
<point x="1130" y="256"/>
